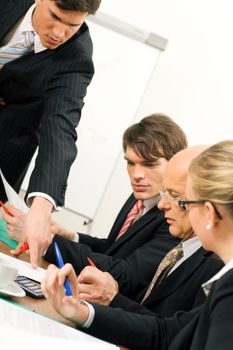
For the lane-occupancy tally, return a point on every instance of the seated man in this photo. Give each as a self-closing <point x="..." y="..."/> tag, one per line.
<point x="180" y="287"/>
<point x="141" y="243"/>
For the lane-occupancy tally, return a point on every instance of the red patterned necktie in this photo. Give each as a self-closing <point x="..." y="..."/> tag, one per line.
<point x="132" y="215"/>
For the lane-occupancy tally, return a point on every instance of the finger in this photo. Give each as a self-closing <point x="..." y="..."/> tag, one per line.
<point x="86" y="288"/>
<point x="87" y="297"/>
<point x="16" y="251"/>
<point x="37" y="249"/>
<point x="88" y="274"/>
<point x="68" y="272"/>
<point x="50" y="280"/>
<point x="8" y="218"/>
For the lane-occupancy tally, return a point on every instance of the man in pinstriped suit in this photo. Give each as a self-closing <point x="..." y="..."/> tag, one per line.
<point x="41" y="97"/>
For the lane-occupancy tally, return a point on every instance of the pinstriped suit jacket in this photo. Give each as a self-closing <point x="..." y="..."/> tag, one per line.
<point x="44" y="96"/>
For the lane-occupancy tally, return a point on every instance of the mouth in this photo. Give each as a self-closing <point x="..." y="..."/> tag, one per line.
<point x="139" y="188"/>
<point x="169" y="220"/>
<point x="53" y="41"/>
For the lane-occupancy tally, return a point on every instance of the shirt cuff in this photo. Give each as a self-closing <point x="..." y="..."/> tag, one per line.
<point x="76" y="238"/>
<point x="91" y="314"/>
<point x="44" y="195"/>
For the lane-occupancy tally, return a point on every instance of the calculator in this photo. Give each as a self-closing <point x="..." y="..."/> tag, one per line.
<point x="31" y="288"/>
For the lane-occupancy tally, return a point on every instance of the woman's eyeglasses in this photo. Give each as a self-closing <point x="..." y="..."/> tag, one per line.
<point x="183" y="203"/>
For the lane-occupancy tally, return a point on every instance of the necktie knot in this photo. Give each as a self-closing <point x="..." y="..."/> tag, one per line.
<point x="29" y="39"/>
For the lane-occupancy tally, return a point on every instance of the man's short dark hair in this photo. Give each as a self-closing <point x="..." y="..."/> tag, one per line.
<point x="90" y="6"/>
<point x="155" y="136"/>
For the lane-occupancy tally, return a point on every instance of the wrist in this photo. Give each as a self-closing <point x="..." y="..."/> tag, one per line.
<point x="84" y="317"/>
<point x="42" y="205"/>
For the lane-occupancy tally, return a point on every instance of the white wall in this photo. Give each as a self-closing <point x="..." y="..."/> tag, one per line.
<point x="192" y="82"/>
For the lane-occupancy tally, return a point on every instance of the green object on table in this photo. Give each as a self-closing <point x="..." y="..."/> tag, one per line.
<point x="4" y="235"/>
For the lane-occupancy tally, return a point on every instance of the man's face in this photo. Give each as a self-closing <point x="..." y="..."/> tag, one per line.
<point x="145" y="176"/>
<point x="174" y="185"/>
<point x="54" y="25"/>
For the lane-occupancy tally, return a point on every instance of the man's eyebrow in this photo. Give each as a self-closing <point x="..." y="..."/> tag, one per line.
<point x="54" y="15"/>
<point x="154" y="161"/>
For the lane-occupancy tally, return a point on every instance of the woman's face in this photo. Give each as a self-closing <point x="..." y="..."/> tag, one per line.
<point x="198" y="216"/>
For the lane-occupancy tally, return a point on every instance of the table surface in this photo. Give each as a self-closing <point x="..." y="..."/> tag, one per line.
<point x="39" y="305"/>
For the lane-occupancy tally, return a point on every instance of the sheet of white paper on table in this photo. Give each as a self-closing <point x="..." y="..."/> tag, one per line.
<point x="23" y="327"/>
<point x="23" y="267"/>
<point x="13" y="197"/>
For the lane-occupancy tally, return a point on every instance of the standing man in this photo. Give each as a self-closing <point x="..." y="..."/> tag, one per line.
<point x="42" y="87"/>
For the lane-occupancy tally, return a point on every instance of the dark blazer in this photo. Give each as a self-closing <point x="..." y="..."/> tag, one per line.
<point x="44" y="96"/>
<point x="179" y="291"/>
<point x="132" y="259"/>
<point x="208" y="327"/>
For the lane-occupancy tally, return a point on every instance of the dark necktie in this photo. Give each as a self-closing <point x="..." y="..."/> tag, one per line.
<point x="132" y="215"/>
<point x="164" y="267"/>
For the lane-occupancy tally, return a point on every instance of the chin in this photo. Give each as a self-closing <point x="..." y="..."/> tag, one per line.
<point x="174" y="232"/>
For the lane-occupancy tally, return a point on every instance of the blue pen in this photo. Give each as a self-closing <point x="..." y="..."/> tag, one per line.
<point x="60" y="265"/>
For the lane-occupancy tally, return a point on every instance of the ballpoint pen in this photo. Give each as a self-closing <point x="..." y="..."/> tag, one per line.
<point x="4" y="207"/>
<point x="60" y="265"/>
<point x="91" y="262"/>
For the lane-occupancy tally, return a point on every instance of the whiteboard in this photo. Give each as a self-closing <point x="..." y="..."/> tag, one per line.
<point x="122" y="70"/>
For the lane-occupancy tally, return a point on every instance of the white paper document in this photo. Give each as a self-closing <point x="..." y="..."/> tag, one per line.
<point x="23" y="267"/>
<point x="13" y="197"/>
<point x="23" y="329"/>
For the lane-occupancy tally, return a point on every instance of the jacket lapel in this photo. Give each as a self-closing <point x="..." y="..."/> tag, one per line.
<point x="134" y="229"/>
<point x="11" y="11"/>
<point x="178" y="277"/>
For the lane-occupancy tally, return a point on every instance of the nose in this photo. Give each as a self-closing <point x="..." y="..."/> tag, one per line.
<point x="59" y="30"/>
<point x="138" y="173"/>
<point x="164" y="203"/>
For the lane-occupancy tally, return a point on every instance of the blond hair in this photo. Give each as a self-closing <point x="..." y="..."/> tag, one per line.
<point x="211" y="174"/>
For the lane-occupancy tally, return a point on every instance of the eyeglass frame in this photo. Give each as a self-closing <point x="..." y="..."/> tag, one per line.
<point x="169" y="197"/>
<point x="182" y="203"/>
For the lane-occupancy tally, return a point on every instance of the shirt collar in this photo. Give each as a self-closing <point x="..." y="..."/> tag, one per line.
<point x="207" y="285"/>
<point x="192" y="244"/>
<point x="26" y="25"/>
<point x="150" y="203"/>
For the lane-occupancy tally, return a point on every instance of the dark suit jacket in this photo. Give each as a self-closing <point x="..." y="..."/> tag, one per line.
<point x="44" y="96"/>
<point x="208" y="327"/>
<point x="132" y="259"/>
<point x="179" y="291"/>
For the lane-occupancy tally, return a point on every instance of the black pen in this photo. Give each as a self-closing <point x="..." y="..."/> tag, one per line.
<point x="60" y="265"/>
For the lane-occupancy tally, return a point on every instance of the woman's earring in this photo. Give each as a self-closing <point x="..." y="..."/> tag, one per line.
<point x="208" y="226"/>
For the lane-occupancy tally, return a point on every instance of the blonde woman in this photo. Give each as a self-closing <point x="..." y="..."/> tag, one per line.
<point x="209" y="201"/>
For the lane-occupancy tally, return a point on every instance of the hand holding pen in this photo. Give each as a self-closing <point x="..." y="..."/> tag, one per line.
<point x="25" y="246"/>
